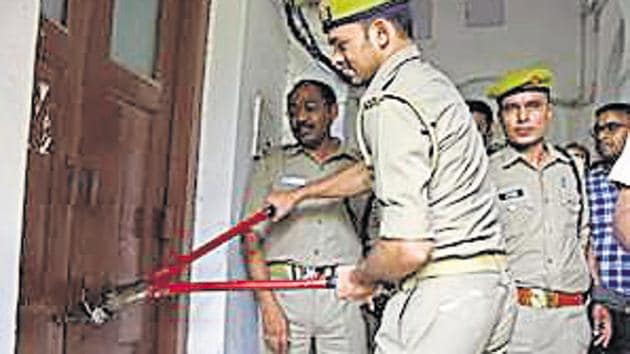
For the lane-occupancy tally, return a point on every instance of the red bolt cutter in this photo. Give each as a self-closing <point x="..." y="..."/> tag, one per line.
<point x="161" y="283"/>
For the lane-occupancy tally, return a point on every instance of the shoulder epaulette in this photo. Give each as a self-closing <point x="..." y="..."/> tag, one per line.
<point x="290" y="146"/>
<point x="372" y="102"/>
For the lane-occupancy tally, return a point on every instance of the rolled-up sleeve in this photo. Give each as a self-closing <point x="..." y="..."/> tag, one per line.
<point x="402" y="169"/>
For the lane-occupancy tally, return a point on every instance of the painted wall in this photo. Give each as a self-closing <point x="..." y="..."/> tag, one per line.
<point x="264" y="72"/>
<point x="534" y="31"/>
<point x="18" y="25"/>
<point x="247" y="57"/>
<point x="215" y="175"/>
<point x="621" y="10"/>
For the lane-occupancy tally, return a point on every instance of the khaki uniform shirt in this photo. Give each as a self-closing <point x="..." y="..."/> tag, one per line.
<point x="317" y="232"/>
<point x="428" y="161"/>
<point x="540" y="211"/>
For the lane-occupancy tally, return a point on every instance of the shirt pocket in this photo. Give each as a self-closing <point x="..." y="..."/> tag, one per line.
<point x="570" y="207"/>
<point x="516" y="216"/>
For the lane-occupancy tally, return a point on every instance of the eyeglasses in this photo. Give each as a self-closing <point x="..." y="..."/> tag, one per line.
<point x="609" y="127"/>
<point x="530" y="107"/>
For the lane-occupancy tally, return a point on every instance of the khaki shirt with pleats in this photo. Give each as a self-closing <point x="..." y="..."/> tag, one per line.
<point x="544" y="215"/>
<point x="317" y="232"/>
<point x="429" y="163"/>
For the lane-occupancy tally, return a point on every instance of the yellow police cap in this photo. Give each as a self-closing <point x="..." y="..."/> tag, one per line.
<point x="533" y="78"/>
<point x="335" y="13"/>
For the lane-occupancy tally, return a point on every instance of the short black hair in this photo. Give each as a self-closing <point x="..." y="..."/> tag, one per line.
<point x="328" y="94"/>
<point x="402" y="21"/>
<point x="613" y="106"/>
<point x="544" y="90"/>
<point x="481" y="107"/>
<point x="577" y="146"/>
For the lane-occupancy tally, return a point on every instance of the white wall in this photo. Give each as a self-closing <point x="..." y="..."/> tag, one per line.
<point x="625" y="84"/>
<point x="620" y="89"/>
<point x="215" y="175"/>
<point x="18" y="25"/>
<point x="247" y="56"/>
<point x="534" y="31"/>
<point x="264" y="72"/>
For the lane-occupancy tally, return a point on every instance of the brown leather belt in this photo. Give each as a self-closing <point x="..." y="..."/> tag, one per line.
<point x="541" y="298"/>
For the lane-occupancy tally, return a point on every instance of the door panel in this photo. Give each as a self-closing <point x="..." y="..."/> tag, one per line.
<point x="102" y="196"/>
<point x="44" y="255"/>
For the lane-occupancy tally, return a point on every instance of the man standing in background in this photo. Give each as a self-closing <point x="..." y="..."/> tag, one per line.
<point x="544" y="215"/>
<point x="482" y="115"/>
<point x="610" y="131"/>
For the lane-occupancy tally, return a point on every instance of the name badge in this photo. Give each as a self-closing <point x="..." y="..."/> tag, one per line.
<point x="293" y="181"/>
<point x="513" y="193"/>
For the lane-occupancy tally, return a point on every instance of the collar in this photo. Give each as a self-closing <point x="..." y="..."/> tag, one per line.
<point x="513" y="156"/>
<point x="343" y="151"/>
<point x="390" y="67"/>
<point x="602" y="166"/>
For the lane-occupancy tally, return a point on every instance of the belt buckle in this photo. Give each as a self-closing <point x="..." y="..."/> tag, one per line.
<point x="308" y="272"/>
<point x="326" y="271"/>
<point x="539" y="298"/>
<point x="281" y="271"/>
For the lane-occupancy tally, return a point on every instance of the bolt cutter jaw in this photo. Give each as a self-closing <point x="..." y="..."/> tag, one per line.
<point x="104" y="307"/>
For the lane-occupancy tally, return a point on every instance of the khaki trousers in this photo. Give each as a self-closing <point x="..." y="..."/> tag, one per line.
<point x="563" y="330"/>
<point x="456" y="314"/>
<point x="335" y="326"/>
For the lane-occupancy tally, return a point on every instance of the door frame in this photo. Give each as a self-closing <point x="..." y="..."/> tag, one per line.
<point x="17" y="56"/>
<point x="183" y="159"/>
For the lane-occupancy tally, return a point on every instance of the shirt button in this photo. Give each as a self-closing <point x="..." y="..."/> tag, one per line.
<point x="316" y="252"/>
<point x="550" y="261"/>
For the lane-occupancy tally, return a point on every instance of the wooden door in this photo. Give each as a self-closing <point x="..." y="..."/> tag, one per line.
<point x="107" y="194"/>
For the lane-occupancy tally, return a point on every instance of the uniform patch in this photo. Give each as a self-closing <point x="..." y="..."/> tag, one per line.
<point x="514" y="193"/>
<point x="293" y="181"/>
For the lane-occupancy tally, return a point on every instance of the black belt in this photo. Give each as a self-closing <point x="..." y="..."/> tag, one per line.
<point x="611" y="299"/>
<point x="296" y="271"/>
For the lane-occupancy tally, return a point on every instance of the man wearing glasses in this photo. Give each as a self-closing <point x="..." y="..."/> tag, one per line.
<point x="610" y="132"/>
<point x="544" y="215"/>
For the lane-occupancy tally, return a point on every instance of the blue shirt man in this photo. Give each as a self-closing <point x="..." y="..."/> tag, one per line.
<point x="610" y="132"/>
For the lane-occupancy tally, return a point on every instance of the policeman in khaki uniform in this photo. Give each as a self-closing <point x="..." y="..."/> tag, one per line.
<point x="313" y="241"/>
<point x="544" y="216"/>
<point x="439" y="237"/>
